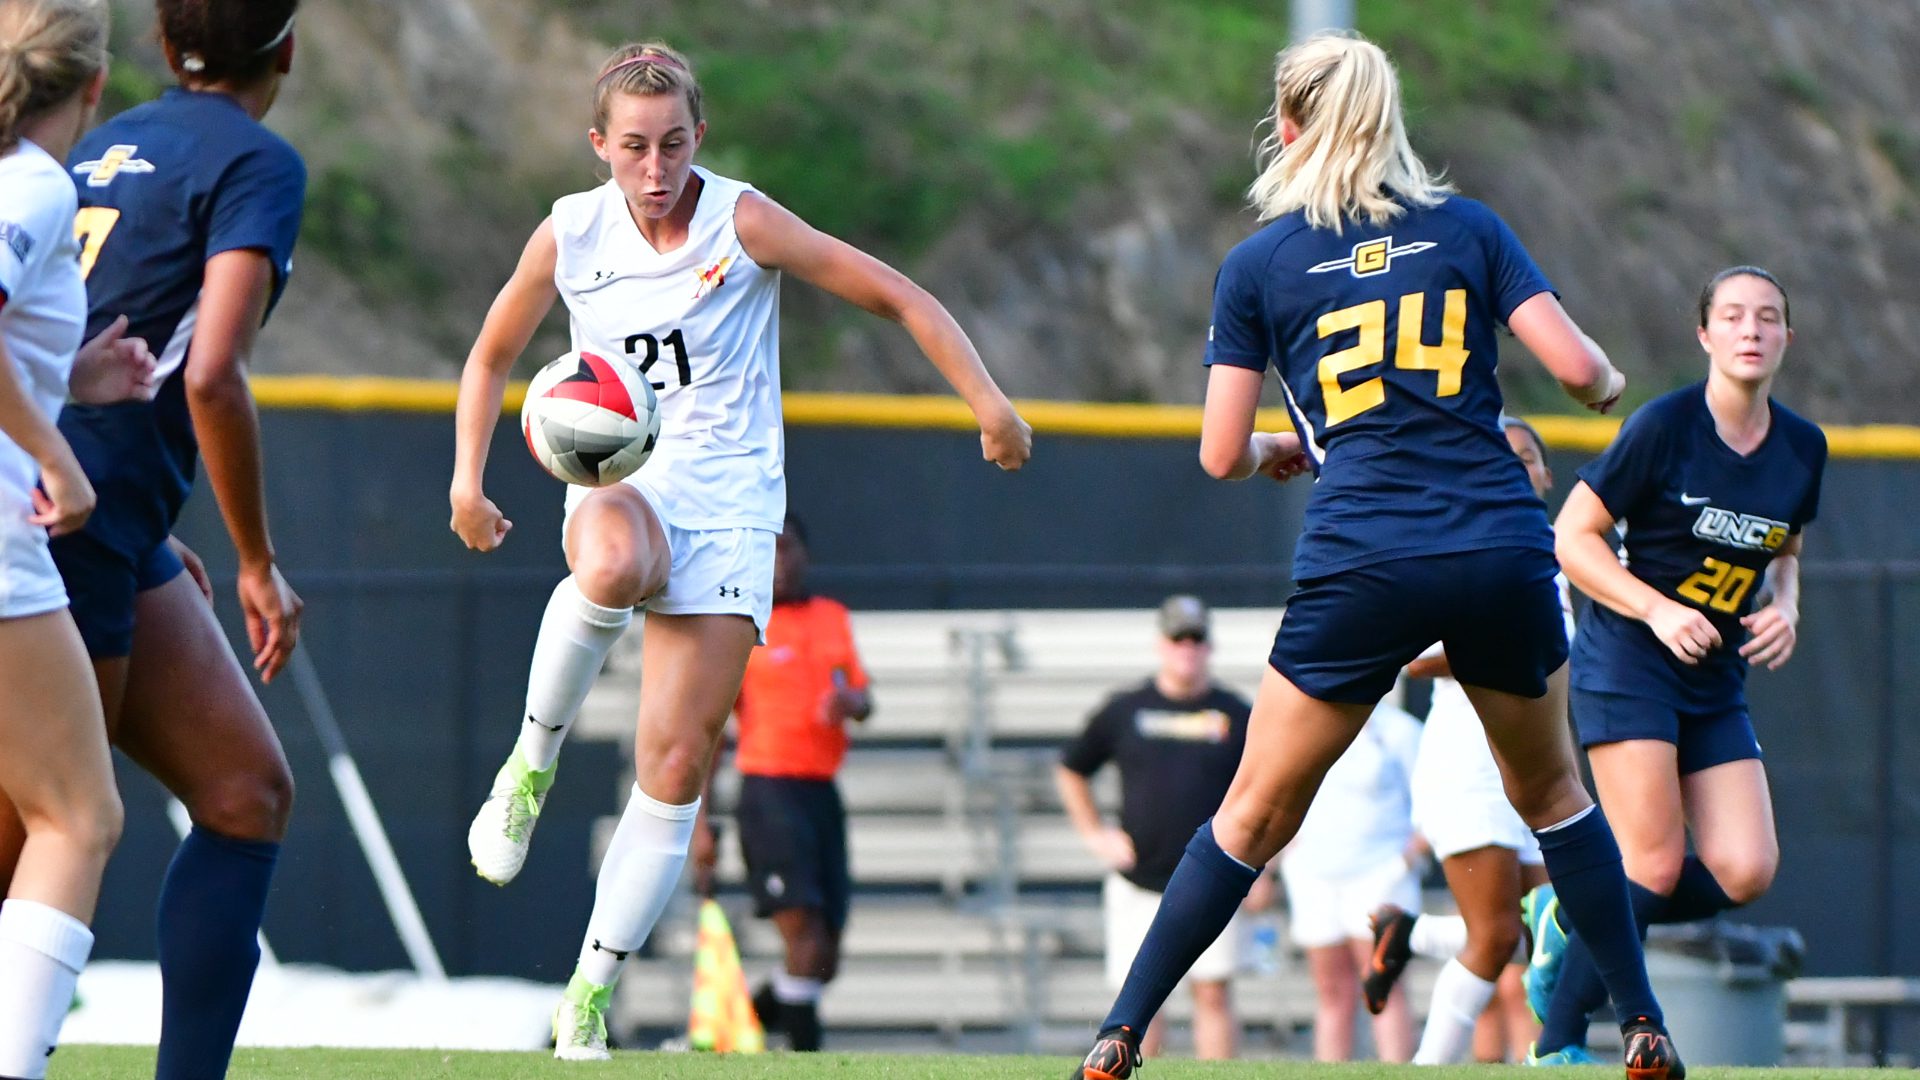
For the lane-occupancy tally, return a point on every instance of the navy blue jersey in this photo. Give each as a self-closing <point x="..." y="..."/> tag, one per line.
<point x="163" y="188"/>
<point x="1384" y="341"/>
<point x="1701" y="525"/>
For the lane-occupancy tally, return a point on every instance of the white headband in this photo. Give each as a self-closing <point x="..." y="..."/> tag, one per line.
<point x="193" y="62"/>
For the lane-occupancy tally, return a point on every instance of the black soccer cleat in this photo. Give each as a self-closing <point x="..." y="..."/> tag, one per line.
<point x="1650" y="1052"/>
<point x="1115" y="1054"/>
<point x="1392" y="948"/>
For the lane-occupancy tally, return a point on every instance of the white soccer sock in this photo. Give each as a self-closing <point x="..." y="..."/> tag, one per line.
<point x="575" y="634"/>
<point x="637" y="878"/>
<point x="1438" y="937"/>
<point x="42" y="950"/>
<point x="795" y="989"/>
<point x="1459" y="997"/>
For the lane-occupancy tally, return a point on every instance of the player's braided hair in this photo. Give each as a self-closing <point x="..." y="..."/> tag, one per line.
<point x="647" y="69"/>
<point x="225" y="41"/>
<point x="1713" y="286"/>
<point x="48" y="51"/>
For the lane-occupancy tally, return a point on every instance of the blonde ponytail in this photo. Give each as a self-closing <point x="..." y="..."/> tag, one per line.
<point x="1351" y="160"/>
<point x="49" y="49"/>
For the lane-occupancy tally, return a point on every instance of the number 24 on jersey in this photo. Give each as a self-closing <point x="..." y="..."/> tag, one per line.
<point x="1445" y="359"/>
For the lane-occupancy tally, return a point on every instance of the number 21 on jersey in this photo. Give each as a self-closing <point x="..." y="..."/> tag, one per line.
<point x="1445" y="359"/>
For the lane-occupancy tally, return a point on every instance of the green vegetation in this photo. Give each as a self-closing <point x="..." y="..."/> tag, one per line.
<point x="1509" y="54"/>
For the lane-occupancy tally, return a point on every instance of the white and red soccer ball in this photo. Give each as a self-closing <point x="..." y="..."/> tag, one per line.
<point x="590" y="420"/>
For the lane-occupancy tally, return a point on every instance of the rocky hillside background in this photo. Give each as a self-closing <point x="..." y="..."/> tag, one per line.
<point x="1066" y="174"/>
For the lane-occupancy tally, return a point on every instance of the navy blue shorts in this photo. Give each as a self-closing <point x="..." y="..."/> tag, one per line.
<point x="1346" y="636"/>
<point x="793" y="835"/>
<point x="1703" y="739"/>
<point x="101" y="584"/>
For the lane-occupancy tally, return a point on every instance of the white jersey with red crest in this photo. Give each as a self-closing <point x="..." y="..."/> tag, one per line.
<point x="702" y="323"/>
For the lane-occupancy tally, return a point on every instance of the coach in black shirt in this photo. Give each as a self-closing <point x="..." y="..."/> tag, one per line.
<point x="1177" y="739"/>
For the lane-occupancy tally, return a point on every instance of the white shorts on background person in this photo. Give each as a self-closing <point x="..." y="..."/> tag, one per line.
<point x="29" y="583"/>
<point x="1324" y="910"/>
<point x="712" y="571"/>
<point x="1459" y="803"/>
<point x="1129" y="911"/>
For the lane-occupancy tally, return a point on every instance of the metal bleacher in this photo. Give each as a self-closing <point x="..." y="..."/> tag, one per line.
<point x="976" y="917"/>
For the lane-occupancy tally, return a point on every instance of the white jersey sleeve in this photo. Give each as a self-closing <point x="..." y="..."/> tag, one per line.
<point x="46" y="300"/>
<point x="702" y="322"/>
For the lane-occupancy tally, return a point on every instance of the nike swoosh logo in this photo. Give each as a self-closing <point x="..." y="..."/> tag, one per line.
<point x="1700" y="500"/>
<point x="549" y="727"/>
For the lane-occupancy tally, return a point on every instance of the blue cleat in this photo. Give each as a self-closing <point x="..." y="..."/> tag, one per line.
<point x="1566" y="1055"/>
<point x="1539" y="910"/>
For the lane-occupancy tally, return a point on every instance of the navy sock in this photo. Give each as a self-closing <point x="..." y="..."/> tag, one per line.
<point x="211" y="904"/>
<point x="1206" y="890"/>
<point x="1697" y="895"/>
<point x="1584" y="862"/>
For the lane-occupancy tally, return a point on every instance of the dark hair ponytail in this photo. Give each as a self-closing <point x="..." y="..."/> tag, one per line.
<point x="223" y="41"/>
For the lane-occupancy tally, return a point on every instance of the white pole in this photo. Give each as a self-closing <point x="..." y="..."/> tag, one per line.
<point x="1311" y="16"/>
<point x="183" y="824"/>
<point x="401" y="907"/>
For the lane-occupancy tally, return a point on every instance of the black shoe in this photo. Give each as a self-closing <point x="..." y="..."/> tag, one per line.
<point x="1115" y="1054"/>
<point x="1650" y="1052"/>
<point x="767" y="1008"/>
<point x="801" y="1021"/>
<point x="1392" y="948"/>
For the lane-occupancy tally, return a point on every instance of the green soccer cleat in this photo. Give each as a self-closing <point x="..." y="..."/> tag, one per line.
<point x="580" y="1022"/>
<point x="1540" y="910"/>
<point x="503" y="829"/>
<point x="1566" y="1055"/>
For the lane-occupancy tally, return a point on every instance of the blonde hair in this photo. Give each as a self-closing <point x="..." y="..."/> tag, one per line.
<point x="646" y="69"/>
<point x="49" y="49"/>
<point x="1352" y="159"/>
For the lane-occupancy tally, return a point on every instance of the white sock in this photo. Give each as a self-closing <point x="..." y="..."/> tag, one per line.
<point x="42" y="950"/>
<point x="1459" y="997"/>
<point x="637" y="879"/>
<point x="1438" y="937"/>
<point x="795" y="989"/>
<point x="575" y="634"/>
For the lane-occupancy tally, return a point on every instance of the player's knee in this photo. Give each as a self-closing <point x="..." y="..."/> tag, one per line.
<point x="93" y="827"/>
<point x="1746" y="877"/>
<point x="674" y="770"/>
<point x="611" y="575"/>
<point x="254" y="805"/>
<point x="1491" y="944"/>
<point x="1657" y="871"/>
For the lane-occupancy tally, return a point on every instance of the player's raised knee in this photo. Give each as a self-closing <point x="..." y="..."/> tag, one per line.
<point x="253" y="806"/>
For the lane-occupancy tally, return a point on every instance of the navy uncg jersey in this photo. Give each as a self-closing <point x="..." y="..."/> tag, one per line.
<point x="1384" y="341"/>
<point x="164" y="187"/>
<point x="1701" y="524"/>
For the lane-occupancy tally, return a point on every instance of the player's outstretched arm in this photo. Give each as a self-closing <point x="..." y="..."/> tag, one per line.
<point x="776" y="238"/>
<point x="1567" y="353"/>
<point x="1229" y="447"/>
<point x="234" y="294"/>
<point x="1580" y="541"/>
<point x="516" y="313"/>
<point x="1775" y="627"/>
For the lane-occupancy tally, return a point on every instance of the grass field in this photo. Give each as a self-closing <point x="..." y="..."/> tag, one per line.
<point x="135" y="1063"/>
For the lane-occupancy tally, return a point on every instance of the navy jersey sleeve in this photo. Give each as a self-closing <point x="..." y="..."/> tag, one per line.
<point x="1516" y="277"/>
<point x="257" y="206"/>
<point x="1094" y="746"/>
<point x="1633" y="467"/>
<point x="1810" y="507"/>
<point x="1238" y="336"/>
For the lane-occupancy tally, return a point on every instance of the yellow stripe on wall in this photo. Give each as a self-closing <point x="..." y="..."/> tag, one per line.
<point x="935" y="412"/>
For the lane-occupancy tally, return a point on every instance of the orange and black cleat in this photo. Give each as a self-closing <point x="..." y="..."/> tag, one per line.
<point x="1115" y="1054"/>
<point x="1392" y="948"/>
<point x="1650" y="1052"/>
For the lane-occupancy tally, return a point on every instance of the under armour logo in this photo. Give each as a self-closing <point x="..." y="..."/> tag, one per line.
<point x="617" y="954"/>
<point x="731" y="592"/>
<point x="550" y="727"/>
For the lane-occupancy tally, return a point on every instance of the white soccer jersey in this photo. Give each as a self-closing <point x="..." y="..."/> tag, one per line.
<point x="702" y="321"/>
<point x="41" y="324"/>
<point x="1459" y="802"/>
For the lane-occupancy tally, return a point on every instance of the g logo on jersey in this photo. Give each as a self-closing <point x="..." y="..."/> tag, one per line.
<point x="1371" y="257"/>
<point x="1748" y="531"/>
<point x="117" y="159"/>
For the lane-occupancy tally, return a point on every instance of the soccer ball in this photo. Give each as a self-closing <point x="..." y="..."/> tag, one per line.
<point x="590" y="420"/>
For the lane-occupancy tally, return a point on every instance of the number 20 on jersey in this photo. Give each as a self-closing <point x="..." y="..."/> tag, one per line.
<point x="1445" y="359"/>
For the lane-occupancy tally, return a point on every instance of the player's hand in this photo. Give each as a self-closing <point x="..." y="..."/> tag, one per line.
<point x="273" y="611"/>
<point x="196" y="569"/>
<point x="1005" y="439"/>
<point x="1278" y="455"/>
<point x="1775" y="632"/>
<point x="1616" y="385"/>
<point x="113" y="367"/>
<point x="64" y="500"/>
<point x="1685" y="631"/>
<point x="478" y="523"/>
<point x="704" y="853"/>
<point x="1114" y="848"/>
